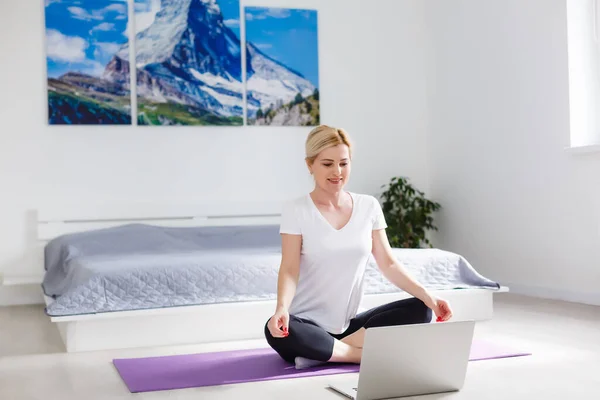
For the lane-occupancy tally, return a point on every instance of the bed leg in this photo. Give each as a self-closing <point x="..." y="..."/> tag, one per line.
<point x="68" y="332"/>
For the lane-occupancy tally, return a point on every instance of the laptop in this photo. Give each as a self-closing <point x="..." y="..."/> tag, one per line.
<point x="411" y="360"/>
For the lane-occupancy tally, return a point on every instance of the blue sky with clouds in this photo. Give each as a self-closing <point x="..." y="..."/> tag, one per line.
<point x="231" y="14"/>
<point x="290" y="36"/>
<point x="83" y="35"/>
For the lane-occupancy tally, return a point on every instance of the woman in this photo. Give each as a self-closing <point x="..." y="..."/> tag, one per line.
<point x="327" y="238"/>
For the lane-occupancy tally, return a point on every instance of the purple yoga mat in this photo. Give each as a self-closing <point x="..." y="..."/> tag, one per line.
<point x="228" y="367"/>
<point x="485" y="350"/>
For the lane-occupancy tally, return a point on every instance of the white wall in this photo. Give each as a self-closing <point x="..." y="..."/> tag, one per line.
<point x="522" y="209"/>
<point x="372" y="75"/>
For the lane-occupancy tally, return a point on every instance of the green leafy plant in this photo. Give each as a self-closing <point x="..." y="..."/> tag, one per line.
<point x="408" y="213"/>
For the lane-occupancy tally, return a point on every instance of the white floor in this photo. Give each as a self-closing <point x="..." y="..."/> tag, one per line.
<point x="564" y="339"/>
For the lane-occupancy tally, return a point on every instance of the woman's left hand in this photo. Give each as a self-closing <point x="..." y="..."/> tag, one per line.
<point x="442" y="309"/>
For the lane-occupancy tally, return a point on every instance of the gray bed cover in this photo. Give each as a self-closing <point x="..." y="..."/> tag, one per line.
<point x="141" y="266"/>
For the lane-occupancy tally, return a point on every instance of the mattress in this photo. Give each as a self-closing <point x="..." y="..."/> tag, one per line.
<point x="140" y="266"/>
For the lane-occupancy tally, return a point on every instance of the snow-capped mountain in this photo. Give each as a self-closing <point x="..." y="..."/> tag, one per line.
<point x="190" y="34"/>
<point x="189" y="56"/>
<point x="271" y="84"/>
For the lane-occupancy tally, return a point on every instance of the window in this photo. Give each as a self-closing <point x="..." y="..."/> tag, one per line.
<point x="583" y="28"/>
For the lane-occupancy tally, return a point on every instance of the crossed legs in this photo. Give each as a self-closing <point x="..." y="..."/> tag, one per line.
<point x="309" y="344"/>
<point x="307" y="340"/>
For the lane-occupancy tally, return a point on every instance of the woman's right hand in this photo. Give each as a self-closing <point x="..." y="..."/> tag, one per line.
<point x="279" y="323"/>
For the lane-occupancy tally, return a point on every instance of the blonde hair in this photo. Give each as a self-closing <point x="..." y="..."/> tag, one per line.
<point x="323" y="137"/>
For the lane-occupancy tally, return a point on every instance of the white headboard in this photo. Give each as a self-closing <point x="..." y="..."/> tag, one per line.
<point x="60" y="220"/>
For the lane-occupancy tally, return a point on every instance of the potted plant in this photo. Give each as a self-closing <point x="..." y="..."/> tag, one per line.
<point x="408" y="213"/>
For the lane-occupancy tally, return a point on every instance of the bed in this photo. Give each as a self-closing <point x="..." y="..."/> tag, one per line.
<point x="211" y="278"/>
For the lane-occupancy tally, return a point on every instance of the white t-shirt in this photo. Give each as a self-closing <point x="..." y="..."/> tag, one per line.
<point x="332" y="262"/>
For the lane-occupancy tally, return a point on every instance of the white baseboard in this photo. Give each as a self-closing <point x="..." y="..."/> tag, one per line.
<point x="591" y="298"/>
<point x="21" y="295"/>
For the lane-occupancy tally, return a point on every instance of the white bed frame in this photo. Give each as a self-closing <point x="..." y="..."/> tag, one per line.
<point x="190" y="324"/>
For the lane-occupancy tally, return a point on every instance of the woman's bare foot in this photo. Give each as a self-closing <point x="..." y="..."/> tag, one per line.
<point x="342" y="353"/>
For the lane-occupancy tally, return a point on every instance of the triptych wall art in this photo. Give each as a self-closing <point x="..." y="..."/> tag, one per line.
<point x="186" y="57"/>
